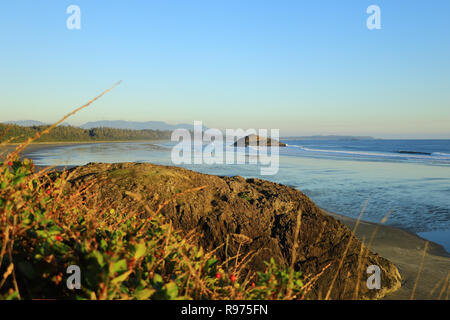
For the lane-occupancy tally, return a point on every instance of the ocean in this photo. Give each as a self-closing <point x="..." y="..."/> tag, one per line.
<point x="411" y="178"/>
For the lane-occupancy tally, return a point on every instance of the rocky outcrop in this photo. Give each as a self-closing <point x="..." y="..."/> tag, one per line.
<point x="255" y="141"/>
<point x="250" y="215"/>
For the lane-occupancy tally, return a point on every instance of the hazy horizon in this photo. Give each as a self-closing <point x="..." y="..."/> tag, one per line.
<point x="282" y="134"/>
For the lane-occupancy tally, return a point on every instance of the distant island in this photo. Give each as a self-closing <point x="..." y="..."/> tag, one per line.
<point x="329" y="137"/>
<point x="246" y="141"/>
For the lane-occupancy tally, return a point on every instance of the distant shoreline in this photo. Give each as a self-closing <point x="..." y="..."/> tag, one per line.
<point x="329" y="137"/>
<point x="337" y="138"/>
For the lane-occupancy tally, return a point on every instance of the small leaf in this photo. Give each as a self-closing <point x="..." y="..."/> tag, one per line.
<point x="13" y="296"/>
<point x="99" y="257"/>
<point x="199" y="253"/>
<point x="140" y="250"/>
<point x="118" y="266"/>
<point x="171" y="290"/>
<point x="211" y="262"/>
<point x="121" y="278"/>
<point x="144" y="294"/>
<point x="157" y="278"/>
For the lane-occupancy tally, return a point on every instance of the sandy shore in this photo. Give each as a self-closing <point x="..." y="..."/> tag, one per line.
<point x="55" y="145"/>
<point x="38" y="146"/>
<point x="405" y="250"/>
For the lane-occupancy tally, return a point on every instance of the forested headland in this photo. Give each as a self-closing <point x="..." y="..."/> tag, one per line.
<point x="14" y="134"/>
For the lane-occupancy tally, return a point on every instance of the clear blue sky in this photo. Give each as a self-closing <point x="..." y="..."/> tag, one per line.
<point x="306" y="67"/>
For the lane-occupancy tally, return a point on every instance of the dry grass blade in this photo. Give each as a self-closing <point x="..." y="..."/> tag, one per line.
<point x="22" y="146"/>
<point x="7" y="273"/>
<point x="443" y="280"/>
<point x="359" y="269"/>
<point x="448" y="291"/>
<point x="446" y="282"/>
<point x="341" y="262"/>
<point x="420" y="270"/>
<point x="310" y="284"/>
<point x="366" y="252"/>
<point x="294" y="253"/>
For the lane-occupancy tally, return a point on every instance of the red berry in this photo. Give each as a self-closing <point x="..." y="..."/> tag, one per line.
<point x="218" y="275"/>
<point x="10" y="163"/>
<point x="253" y="284"/>
<point x="58" y="238"/>
<point x="48" y="192"/>
<point x="233" y="278"/>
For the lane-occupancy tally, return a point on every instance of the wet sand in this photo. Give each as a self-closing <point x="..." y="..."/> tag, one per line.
<point x="405" y="250"/>
<point x="38" y="146"/>
<point x="55" y="145"/>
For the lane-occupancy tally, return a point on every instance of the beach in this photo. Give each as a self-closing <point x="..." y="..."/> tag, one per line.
<point x="33" y="147"/>
<point x="405" y="250"/>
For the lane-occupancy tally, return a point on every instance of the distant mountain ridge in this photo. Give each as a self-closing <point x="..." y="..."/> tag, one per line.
<point x="135" y="125"/>
<point x="26" y="123"/>
<point x="115" y="124"/>
<point x="33" y="123"/>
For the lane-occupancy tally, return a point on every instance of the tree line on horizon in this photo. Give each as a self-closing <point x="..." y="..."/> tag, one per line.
<point x="13" y="133"/>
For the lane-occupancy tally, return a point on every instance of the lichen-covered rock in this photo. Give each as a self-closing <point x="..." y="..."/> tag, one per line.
<point x="250" y="215"/>
<point x="255" y="141"/>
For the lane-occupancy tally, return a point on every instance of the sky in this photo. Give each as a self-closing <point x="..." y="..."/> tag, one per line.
<point x="304" y="67"/>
